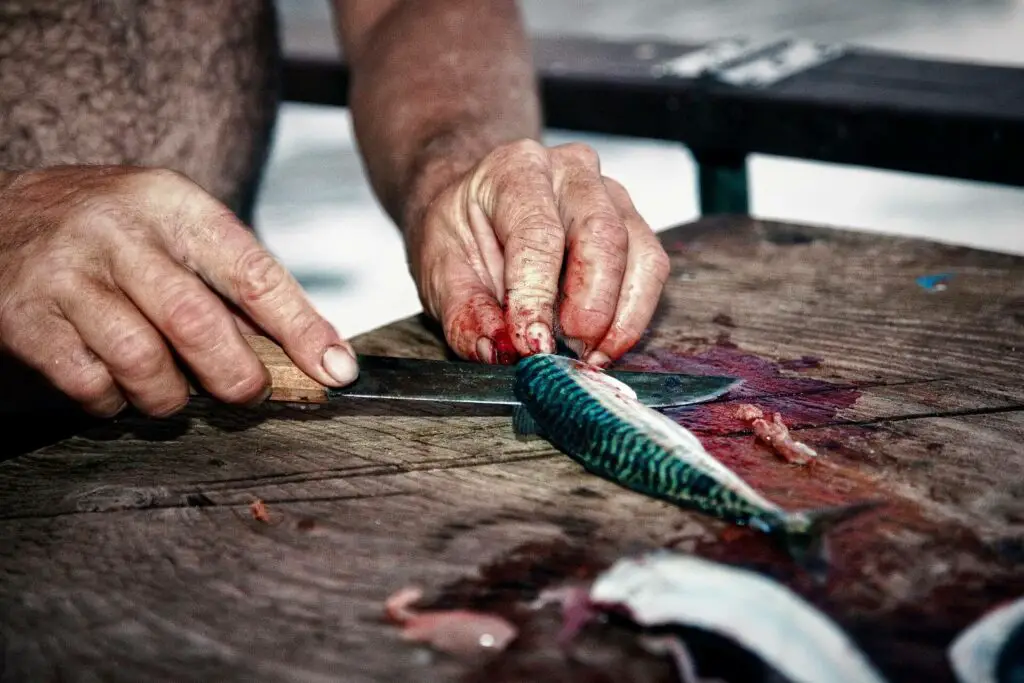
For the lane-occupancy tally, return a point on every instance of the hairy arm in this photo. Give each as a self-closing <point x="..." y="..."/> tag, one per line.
<point x="436" y="85"/>
<point x="511" y="243"/>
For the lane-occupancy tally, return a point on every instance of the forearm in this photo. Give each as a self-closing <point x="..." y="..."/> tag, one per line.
<point x="435" y="86"/>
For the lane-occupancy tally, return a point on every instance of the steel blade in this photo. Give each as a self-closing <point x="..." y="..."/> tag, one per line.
<point x="411" y="379"/>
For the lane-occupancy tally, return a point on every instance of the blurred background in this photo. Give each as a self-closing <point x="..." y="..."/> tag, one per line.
<point x="318" y="215"/>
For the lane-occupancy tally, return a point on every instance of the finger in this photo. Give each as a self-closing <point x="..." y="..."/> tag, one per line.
<point x="647" y="270"/>
<point x="516" y="194"/>
<point x="470" y="314"/>
<point x="225" y="254"/>
<point x="597" y="245"/>
<point x="199" y="326"/>
<point x="132" y="349"/>
<point x="51" y="346"/>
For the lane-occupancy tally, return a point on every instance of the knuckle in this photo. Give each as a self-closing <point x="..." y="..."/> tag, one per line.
<point x="259" y="275"/>
<point x="91" y="385"/>
<point x="616" y="189"/>
<point x="159" y="177"/>
<point x="536" y="233"/>
<point x="194" y="317"/>
<point x="525" y="294"/>
<point x="657" y="263"/>
<point x="96" y="215"/>
<point x="70" y="284"/>
<point x="525" y="148"/>
<point x="504" y="166"/>
<point x="311" y="328"/>
<point x="581" y="153"/>
<point x="139" y="353"/>
<point x="606" y="234"/>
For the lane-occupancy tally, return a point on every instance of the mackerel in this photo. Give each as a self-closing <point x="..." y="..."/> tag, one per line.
<point x="598" y="421"/>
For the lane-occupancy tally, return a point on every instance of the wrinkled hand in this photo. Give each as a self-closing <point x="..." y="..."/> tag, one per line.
<point x="488" y="257"/>
<point x="108" y="273"/>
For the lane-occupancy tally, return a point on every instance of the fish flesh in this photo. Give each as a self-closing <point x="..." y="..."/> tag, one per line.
<point x="992" y="649"/>
<point x="598" y="421"/>
<point x="462" y="633"/>
<point x="664" y="589"/>
<point x="776" y="435"/>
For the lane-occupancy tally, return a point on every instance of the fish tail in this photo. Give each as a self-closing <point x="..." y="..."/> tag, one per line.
<point x="804" y="534"/>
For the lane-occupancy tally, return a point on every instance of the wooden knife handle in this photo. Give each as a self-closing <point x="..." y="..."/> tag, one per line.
<point x="23" y="391"/>
<point x="288" y="382"/>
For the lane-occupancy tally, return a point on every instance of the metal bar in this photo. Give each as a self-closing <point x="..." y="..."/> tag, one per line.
<point x="722" y="182"/>
<point x="853" y="106"/>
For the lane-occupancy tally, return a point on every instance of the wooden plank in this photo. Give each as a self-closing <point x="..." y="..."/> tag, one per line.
<point x="867" y="108"/>
<point x="129" y="552"/>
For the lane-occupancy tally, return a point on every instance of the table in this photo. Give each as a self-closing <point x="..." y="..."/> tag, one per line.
<point x="128" y="552"/>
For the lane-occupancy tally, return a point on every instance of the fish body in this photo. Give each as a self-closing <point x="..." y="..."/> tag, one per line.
<point x="599" y="422"/>
<point x="991" y="650"/>
<point x="664" y="589"/>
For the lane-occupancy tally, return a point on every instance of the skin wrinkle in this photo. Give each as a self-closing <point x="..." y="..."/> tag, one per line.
<point x="447" y="118"/>
<point x="433" y="103"/>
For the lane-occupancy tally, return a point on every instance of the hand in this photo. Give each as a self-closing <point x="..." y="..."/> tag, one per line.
<point x="108" y="273"/>
<point x="488" y="257"/>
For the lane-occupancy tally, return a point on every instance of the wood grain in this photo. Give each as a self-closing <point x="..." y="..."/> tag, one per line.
<point x="127" y="552"/>
<point x="287" y="382"/>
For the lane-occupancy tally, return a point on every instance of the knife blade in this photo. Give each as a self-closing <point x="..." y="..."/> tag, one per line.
<point x="414" y="379"/>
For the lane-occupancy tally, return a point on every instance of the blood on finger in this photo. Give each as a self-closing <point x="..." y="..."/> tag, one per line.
<point x="504" y="350"/>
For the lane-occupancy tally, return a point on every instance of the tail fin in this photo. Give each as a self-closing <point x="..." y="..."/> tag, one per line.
<point x="803" y="534"/>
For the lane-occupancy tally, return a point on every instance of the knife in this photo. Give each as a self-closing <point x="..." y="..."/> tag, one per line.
<point x="413" y="379"/>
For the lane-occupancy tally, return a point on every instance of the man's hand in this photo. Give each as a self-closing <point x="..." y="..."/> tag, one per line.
<point x="530" y="233"/>
<point x="108" y="273"/>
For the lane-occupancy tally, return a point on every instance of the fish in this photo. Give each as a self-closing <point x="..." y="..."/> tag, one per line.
<point x="663" y="589"/>
<point x="597" y="421"/>
<point x="991" y="650"/>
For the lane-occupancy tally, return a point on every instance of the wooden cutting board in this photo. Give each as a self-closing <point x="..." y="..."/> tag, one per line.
<point x="129" y="552"/>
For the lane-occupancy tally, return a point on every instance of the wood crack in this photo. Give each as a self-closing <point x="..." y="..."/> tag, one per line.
<point x="184" y="504"/>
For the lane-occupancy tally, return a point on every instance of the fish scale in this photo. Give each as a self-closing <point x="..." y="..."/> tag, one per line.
<point x="607" y="444"/>
<point x="598" y="421"/>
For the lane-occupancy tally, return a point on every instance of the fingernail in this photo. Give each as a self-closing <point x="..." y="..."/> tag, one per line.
<point x="539" y="336"/>
<point x="340" y="364"/>
<point x="485" y="350"/>
<point x="599" y="359"/>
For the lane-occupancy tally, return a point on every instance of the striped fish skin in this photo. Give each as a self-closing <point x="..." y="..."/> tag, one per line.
<point x="589" y="417"/>
<point x="598" y="422"/>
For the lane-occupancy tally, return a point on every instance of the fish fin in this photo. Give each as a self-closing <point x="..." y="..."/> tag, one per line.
<point x="523" y="423"/>
<point x="564" y="348"/>
<point x="803" y="534"/>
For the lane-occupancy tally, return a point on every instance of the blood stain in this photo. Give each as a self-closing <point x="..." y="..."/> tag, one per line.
<point x="504" y="350"/>
<point x="723" y="320"/>
<point x="801" y="363"/>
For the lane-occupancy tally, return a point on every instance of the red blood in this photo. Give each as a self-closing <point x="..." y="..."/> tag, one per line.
<point x="504" y="350"/>
<point x="802" y="401"/>
<point x="801" y="363"/>
<point x="534" y="344"/>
